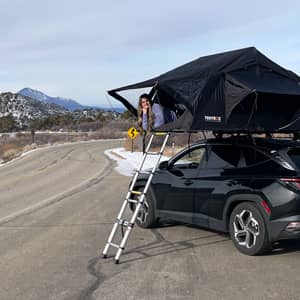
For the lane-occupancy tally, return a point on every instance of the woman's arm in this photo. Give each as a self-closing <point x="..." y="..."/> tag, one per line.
<point x="158" y="115"/>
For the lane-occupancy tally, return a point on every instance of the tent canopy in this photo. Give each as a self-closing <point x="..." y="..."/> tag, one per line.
<point x="239" y="90"/>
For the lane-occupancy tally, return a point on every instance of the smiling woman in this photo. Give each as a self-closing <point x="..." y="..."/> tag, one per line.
<point x="149" y="116"/>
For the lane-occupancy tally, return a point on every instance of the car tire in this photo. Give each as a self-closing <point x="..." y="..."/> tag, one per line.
<point x="248" y="230"/>
<point x="146" y="216"/>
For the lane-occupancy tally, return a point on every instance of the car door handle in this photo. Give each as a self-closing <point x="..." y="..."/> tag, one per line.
<point x="232" y="182"/>
<point x="188" y="182"/>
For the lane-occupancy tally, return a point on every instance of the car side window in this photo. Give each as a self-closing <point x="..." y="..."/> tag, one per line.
<point x="192" y="159"/>
<point x="223" y="157"/>
<point x="258" y="163"/>
<point x="253" y="157"/>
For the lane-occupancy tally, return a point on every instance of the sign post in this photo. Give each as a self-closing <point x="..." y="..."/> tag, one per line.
<point x="132" y="133"/>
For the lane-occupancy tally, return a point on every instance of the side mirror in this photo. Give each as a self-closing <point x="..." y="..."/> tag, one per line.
<point x="163" y="165"/>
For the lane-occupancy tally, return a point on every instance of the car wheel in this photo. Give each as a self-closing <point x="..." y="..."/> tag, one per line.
<point x="146" y="215"/>
<point x="248" y="230"/>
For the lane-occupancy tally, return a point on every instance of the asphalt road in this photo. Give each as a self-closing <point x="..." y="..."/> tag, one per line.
<point x="57" y="208"/>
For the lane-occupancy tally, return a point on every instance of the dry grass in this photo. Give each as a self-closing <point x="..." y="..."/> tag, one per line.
<point x="10" y="154"/>
<point x="9" y="151"/>
<point x="175" y="143"/>
<point x="12" y="145"/>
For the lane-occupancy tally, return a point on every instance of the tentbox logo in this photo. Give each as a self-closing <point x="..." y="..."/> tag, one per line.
<point x="217" y="119"/>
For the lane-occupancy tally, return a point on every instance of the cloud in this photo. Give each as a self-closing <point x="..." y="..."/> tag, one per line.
<point x="97" y="45"/>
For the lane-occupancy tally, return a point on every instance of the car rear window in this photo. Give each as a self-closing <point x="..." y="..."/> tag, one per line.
<point x="253" y="157"/>
<point x="294" y="155"/>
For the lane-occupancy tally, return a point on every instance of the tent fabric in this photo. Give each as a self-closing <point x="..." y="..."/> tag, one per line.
<point x="240" y="90"/>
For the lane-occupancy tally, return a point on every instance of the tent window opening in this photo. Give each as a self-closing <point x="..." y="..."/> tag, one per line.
<point x="170" y="110"/>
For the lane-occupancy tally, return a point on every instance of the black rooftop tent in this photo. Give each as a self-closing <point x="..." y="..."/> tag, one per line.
<point x="234" y="91"/>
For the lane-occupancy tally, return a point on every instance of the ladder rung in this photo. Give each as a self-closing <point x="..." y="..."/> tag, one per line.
<point x="132" y="201"/>
<point x="160" y="133"/>
<point x="121" y="221"/>
<point x="114" y="245"/>
<point x="153" y="153"/>
<point x="148" y="172"/>
<point x="136" y="192"/>
<point x="124" y="223"/>
<point x="145" y="172"/>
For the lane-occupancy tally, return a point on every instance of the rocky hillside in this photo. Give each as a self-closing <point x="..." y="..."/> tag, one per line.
<point x="69" y="104"/>
<point x="24" y="108"/>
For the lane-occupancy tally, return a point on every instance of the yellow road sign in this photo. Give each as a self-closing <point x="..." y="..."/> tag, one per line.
<point x="132" y="133"/>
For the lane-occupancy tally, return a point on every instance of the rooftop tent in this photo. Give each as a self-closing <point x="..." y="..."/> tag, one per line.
<point x="239" y="90"/>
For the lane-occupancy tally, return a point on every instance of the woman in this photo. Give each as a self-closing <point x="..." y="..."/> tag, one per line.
<point x="149" y="117"/>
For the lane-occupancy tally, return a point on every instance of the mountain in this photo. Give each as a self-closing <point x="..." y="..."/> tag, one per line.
<point x="69" y="104"/>
<point x="24" y="108"/>
<point x="118" y="109"/>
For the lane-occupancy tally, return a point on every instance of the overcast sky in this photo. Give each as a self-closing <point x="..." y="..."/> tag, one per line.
<point x="81" y="49"/>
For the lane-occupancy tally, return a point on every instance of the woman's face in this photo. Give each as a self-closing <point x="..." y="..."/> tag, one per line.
<point x="145" y="103"/>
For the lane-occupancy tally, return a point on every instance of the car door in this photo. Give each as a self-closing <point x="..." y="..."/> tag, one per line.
<point x="213" y="184"/>
<point x="180" y="184"/>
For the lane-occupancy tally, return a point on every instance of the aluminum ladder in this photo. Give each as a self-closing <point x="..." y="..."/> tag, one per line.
<point x="128" y="224"/>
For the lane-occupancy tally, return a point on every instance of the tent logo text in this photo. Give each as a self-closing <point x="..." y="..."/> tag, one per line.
<point x="217" y="119"/>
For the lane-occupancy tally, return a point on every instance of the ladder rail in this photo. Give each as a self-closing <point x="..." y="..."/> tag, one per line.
<point x="146" y="153"/>
<point x="129" y="225"/>
<point x="141" y="165"/>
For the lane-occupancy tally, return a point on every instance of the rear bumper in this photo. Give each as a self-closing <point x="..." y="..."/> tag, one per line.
<point x="278" y="229"/>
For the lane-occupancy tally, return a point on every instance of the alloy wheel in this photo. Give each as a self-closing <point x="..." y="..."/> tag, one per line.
<point x="246" y="229"/>
<point x="143" y="212"/>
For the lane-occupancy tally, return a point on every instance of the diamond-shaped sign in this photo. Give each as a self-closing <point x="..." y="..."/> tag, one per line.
<point x="132" y="133"/>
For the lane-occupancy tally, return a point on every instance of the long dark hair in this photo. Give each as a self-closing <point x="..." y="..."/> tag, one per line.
<point x="150" y="114"/>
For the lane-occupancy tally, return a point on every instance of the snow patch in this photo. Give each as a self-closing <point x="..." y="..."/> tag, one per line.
<point x="128" y="162"/>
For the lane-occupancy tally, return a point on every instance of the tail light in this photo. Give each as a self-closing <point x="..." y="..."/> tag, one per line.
<point x="266" y="207"/>
<point x="294" y="182"/>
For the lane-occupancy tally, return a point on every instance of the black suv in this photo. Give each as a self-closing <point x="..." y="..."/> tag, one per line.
<point x="249" y="187"/>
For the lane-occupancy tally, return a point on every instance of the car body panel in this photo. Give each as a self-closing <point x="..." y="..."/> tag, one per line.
<point x="205" y="195"/>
